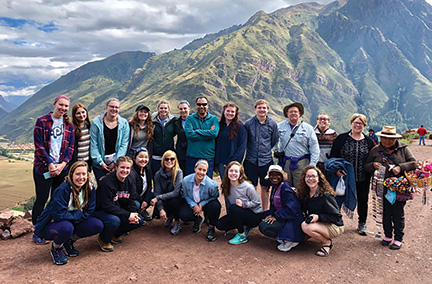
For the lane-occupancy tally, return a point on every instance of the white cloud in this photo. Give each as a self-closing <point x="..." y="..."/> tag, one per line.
<point x="92" y="29"/>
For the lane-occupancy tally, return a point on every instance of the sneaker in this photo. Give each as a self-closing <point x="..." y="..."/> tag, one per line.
<point x="117" y="240"/>
<point x="106" y="247"/>
<point x="146" y="216"/>
<point x="70" y="249"/>
<point x="168" y="222"/>
<point x="386" y="241"/>
<point x="362" y="229"/>
<point x="175" y="230"/>
<point x="58" y="255"/>
<point x="396" y="245"/>
<point x="246" y="231"/>
<point x="238" y="239"/>
<point x="39" y="241"/>
<point x="197" y="224"/>
<point x="287" y="246"/>
<point x="211" y="234"/>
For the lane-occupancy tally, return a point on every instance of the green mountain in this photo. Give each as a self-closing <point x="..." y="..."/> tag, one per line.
<point x="368" y="56"/>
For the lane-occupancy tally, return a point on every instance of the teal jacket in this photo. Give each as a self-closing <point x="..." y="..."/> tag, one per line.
<point x="201" y="138"/>
<point x="97" y="140"/>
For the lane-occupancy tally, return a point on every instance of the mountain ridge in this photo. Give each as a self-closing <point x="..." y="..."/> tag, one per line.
<point x="345" y="57"/>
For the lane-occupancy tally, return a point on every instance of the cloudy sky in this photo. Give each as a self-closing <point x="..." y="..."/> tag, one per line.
<point x="40" y="40"/>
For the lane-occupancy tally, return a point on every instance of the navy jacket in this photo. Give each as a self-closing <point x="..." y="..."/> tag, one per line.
<point x="57" y="208"/>
<point x="291" y="214"/>
<point x="230" y="150"/>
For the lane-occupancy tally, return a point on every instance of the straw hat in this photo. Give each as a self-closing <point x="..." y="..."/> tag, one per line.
<point x="389" y="132"/>
<point x="278" y="169"/>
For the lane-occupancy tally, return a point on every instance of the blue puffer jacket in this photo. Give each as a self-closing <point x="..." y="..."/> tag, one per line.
<point x="57" y="208"/>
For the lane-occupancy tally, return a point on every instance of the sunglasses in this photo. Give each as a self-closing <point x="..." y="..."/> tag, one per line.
<point x="201" y="104"/>
<point x="170" y="159"/>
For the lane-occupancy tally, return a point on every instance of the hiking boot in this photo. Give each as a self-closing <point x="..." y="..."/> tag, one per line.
<point x="146" y="216"/>
<point x="287" y="246"/>
<point x="58" y="255"/>
<point x="238" y="239"/>
<point x="70" y="249"/>
<point x="106" y="247"/>
<point x="197" y="224"/>
<point x="39" y="241"/>
<point x="211" y="234"/>
<point x="175" y="230"/>
<point x="168" y="222"/>
<point x="362" y="229"/>
<point x="117" y="240"/>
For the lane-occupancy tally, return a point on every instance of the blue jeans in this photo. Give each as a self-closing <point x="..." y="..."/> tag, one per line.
<point x="190" y="166"/>
<point x="114" y="226"/>
<point x="422" y="139"/>
<point x="62" y="231"/>
<point x="221" y="169"/>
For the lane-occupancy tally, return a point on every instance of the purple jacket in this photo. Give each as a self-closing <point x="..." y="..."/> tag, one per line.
<point x="42" y="141"/>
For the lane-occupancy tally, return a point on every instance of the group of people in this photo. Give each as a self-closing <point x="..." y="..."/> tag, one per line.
<point x="166" y="163"/>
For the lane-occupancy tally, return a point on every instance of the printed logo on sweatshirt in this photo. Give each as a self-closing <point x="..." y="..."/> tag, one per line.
<point x="122" y="194"/>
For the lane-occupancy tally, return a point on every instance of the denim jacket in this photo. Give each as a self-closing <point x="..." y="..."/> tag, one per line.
<point x="208" y="190"/>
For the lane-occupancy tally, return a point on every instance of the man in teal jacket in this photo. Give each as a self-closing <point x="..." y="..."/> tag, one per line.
<point x="201" y="130"/>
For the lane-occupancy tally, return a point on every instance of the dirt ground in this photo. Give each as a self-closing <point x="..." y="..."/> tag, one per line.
<point x="151" y="255"/>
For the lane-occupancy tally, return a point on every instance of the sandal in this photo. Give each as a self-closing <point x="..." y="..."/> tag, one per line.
<point x="323" y="251"/>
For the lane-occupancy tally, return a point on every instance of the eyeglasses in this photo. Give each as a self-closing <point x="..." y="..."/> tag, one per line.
<point x="201" y="104"/>
<point x="170" y="159"/>
<point x="357" y="123"/>
<point x="311" y="177"/>
<point x="322" y="119"/>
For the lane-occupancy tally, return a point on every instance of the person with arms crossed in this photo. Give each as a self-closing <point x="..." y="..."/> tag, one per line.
<point x="201" y="130"/>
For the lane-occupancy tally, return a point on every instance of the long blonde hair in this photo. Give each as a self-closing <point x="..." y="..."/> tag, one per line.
<point x="75" y="190"/>
<point x="176" y="167"/>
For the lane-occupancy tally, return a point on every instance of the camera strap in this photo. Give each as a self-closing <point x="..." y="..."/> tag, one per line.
<point x="292" y="135"/>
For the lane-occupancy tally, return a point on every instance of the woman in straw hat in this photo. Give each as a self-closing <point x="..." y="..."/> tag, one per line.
<point x="397" y="159"/>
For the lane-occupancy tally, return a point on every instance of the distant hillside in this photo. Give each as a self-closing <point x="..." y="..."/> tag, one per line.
<point x="367" y="56"/>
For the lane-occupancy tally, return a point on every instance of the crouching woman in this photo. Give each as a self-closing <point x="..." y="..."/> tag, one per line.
<point x="67" y="218"/>
<point x="115" y="205"/>
<point x="284" y="218"/>
<point x="323" y="218"/>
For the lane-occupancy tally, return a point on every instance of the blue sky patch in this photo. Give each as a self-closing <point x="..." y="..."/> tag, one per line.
<point x="19" y="23"/>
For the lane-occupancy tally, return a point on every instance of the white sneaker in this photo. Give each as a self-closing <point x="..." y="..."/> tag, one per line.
<point x="287" y="246"/>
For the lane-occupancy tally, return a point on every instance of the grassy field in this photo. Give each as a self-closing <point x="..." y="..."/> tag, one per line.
<point x="16" y="182"/>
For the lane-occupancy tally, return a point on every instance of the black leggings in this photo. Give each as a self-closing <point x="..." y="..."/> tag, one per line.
<point x="362" y="199"/>
<point x="394" y="219"/>
<point x="237" y="218"/>
<point x="211" y="212"/>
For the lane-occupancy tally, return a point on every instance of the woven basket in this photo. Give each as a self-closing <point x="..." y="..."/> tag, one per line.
<point x="419" y="182"/>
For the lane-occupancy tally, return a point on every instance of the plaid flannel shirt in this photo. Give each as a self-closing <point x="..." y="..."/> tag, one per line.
<point x="42" y="141"/>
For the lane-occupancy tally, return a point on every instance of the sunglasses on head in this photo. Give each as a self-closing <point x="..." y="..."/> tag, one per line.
<point x="201" y="104"/>
<point x="170" y="159"/>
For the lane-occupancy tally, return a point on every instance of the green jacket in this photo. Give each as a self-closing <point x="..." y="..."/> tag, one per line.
<point x="163" y="139"/>
<point x="201" y="138"/>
